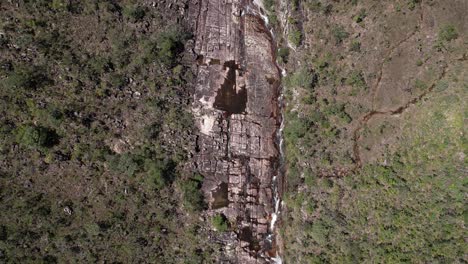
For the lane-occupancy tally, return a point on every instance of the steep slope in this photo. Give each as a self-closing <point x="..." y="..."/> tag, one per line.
<point x="236" y="110"/>
<point x="375" y="137"/>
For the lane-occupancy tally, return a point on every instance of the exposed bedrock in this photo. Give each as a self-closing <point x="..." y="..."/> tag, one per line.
<point x="236" y="111"/>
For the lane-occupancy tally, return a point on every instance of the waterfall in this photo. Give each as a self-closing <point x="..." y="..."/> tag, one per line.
<point x="258" y="10"/>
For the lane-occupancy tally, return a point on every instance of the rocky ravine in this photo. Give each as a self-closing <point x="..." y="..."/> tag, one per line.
<point x="236" y="111"/>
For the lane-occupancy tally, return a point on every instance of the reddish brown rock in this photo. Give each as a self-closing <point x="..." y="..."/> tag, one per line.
<point x="236" y="111"/>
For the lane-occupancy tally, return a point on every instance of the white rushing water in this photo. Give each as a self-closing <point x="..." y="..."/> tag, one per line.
<point x="277" y="199"/>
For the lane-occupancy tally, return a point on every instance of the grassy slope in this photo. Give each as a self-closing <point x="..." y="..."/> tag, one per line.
<point x="410" y="210"/>
<point x="406" y="203"/>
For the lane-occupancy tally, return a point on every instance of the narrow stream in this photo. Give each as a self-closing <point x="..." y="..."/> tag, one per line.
<point x="277" y="181"/>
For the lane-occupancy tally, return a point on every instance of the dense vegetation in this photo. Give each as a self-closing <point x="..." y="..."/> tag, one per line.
<point x="387" y="187"/>
<point x="94" y="132"/>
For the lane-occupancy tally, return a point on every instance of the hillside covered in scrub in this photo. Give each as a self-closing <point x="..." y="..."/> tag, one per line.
<point x="237" y="131"/>
<point x="94" y="132"/>
<point x="375" y="132"/>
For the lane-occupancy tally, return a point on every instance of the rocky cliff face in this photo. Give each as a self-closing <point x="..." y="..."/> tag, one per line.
<point x="236" y="111"/>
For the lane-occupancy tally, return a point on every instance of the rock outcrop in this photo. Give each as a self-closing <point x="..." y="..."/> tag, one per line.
<point x="236" y="111"/>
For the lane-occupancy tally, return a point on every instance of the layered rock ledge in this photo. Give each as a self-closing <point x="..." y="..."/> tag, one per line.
<point x="236" y="111"/>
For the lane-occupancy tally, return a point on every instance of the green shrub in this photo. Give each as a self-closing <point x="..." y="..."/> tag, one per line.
<point x="442" y="85"/>
<point x="358" y="18"/>
<point x="30" y="78"/>
<point x="356" y="79"/>
<point x="314" y="5"/>
<point x="448" y="33"/>
<point x="337" y="109"/>
<point x="327" y="9"/>
<point x="270" y="10"/>
<point x="220" y="223"/>
<point x="134" y="12"/>
<point x="397" y="8"/>
<point x="193" y="197"/>
<point x="169" y="45"/>
<point x="273" y="18"/>
<point x="295" y="37"/>
<point x="283" y="54"/>
<point x="155" y="174"/>
<point x="36" y="136"/>
<point x="294" y="4"/>
<point x="339" y="33"/>
<point x="269" y="5"/>
<point x="412" y="4"/>
<point x="421" y="85"/>
<point x="98" y="65"/>
<point x="318" y="232"/>
<point x="117" y="81"/>
<point x="152" y="131"/>
<point x="355" y="46"/>
<point x="58" y="5"/>
<point x="303" y="78"/>
<point x="125" y="163"/>
<point x="296" y="128"/>
<point x="163" y="48"/>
